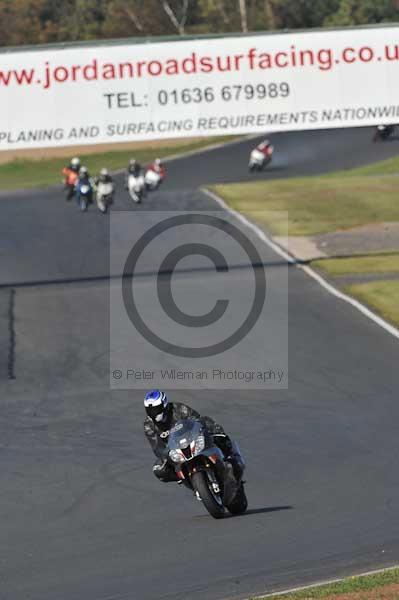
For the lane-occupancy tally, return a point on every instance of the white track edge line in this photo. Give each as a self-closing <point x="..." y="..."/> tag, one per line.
<point x="308" y="270"/>
<point x="355" y="303"/>
<point x="261" y="234"/>
<point x="323" y="583"/>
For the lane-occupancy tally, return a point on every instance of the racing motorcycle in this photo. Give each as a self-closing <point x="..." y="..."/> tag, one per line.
<point x="383" y="132"/>
<point x="104" y="195"/>
<point x="136" y="187"/>
<point x="257" y="160"/>
<point x="84" y="190"/>
<point x="152" y="180"/>
<point x="202" y="467"/>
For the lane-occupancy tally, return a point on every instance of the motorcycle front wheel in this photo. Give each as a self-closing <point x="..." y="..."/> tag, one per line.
<point x="211" y="501"/>
<point x="135" y="197"/>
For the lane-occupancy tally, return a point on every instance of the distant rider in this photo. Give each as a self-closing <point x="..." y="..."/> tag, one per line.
<point x="84" y="176"/>
<point x="265" y="148"/>
<point x="72" y="168"/>
<point x="134" y="168"/>
<point x="162" y="415"/>
<point x="158" y="167"/>
<point x="71" y="174"/>
<point x="83" y="180"/>
<point x="104" y="177"/>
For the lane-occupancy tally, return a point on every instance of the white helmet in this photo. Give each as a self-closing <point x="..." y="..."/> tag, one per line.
<point x="83" y="171"/>
<point x="75" y="163"/>
<point x="104" y="173"/>
<point x="158" y="162"/>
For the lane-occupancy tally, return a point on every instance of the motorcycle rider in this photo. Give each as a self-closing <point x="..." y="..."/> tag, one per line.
<point x="134" y="168"/>
<point x="158" y="167"/>
<point x="162" y="415"/>
<point x="84" y="175"/>
<point x="73" y="167"/>
<point x="71" y="173"/>
<point x="383" y="132"/>
<point x="265" y="148"/>
<point x="104" y="177"/>
<point x="83" y="179"/>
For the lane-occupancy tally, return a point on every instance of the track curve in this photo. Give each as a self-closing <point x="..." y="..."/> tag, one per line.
<point x="82" y="515"/>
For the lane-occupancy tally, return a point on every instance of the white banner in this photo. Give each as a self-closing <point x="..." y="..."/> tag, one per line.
<point x="199" y="87"/>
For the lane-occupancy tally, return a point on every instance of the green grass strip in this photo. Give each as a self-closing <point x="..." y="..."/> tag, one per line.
<point x="371" y="264"/>
<point x="352" y="584"/>
<point x="389" y="166"/>
<point x="382" y="296"/>
<point x="316" y="205"/>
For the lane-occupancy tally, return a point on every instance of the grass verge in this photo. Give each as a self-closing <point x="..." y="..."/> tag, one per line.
<point x="20" y="173"/>
<point x="371" y="264"/>
<point x="382" y="296"/>
<point x="316" y="205"/>
<point x="380" y="586"/>
<point x="389" y="166"/>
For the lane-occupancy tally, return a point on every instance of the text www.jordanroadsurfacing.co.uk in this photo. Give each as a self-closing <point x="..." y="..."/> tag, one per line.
<point x="323" y="59"/>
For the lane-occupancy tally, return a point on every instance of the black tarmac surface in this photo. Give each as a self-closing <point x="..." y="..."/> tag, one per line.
<point x="82" y="516"/>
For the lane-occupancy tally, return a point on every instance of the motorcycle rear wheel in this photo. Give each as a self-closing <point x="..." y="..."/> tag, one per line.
<point x="200" y="484"/>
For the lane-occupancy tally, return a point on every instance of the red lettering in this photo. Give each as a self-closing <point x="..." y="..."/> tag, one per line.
<point x="278" y="61"/>
<point x="345" y="55"/>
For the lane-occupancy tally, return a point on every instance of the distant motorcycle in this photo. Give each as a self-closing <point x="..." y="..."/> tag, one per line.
<point x="383" y="132"/>
<point x="104" y="195"/>
<point x="152" y="180"/>
<point x="202" y="467"/>
<point x="136" y="187"/>
<point x="84" y="190"/>
<point x="258" y="160"/>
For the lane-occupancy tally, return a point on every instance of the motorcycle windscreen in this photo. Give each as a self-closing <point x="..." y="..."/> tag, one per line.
<point x="183" y="433"/>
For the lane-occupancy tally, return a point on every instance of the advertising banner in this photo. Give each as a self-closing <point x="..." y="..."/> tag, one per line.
<point x="198" y="87"/>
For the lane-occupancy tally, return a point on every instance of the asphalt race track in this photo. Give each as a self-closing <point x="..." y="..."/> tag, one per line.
<point x="82" y="516"/>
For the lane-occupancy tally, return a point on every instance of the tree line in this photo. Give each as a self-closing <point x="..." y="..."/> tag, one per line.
<point x="46" y="21"/>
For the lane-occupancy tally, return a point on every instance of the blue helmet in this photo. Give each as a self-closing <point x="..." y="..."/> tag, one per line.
<point x="155" y="403"/>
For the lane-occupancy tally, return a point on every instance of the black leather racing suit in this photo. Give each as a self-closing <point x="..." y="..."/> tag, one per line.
<point x="157" y="434"/>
